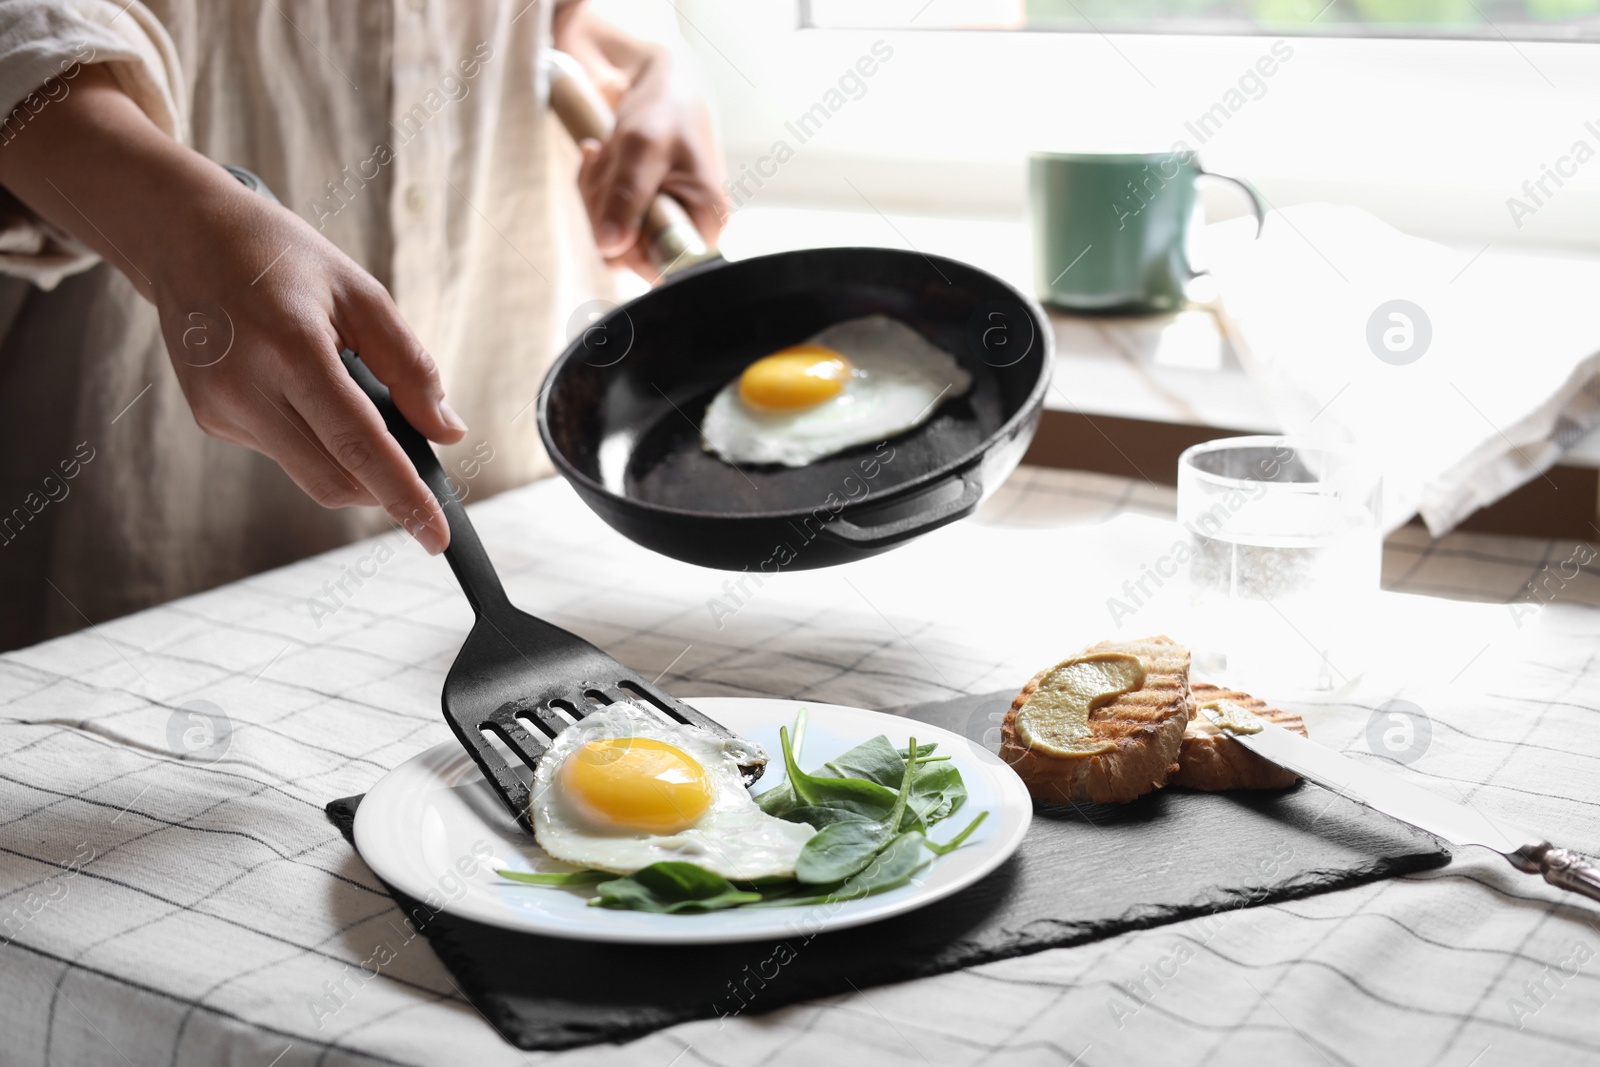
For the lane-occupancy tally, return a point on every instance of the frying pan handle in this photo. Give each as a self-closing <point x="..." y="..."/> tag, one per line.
<point x="902" y="527"/>
<point x="670" y="237"/>
<point x="466" y="554"/>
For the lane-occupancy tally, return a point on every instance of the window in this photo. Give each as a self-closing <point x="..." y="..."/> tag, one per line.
<point x="1436" y="135"/>
<point x="1528" y="20"/>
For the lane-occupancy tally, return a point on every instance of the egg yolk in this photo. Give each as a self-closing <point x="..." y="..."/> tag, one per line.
<point x="799" y="377"/>
<point x="637" y="783"/>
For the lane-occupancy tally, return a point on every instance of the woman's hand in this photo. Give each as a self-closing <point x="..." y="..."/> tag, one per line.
<point x="244" y="270"/>
<point x="255" y="304"/>
<point x="663" y="141"/>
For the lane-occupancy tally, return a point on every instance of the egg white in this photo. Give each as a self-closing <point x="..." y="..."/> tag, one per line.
<point x="734" y="838"/>
<point x="899" y="379"/>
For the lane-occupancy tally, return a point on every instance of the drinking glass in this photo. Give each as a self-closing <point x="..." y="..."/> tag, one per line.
<point x="1286" y="549"/>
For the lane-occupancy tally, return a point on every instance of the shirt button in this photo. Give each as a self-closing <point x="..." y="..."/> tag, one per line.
<point x="417" y="199"/>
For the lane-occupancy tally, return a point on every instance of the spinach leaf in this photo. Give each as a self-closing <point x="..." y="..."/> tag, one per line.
<point x="879" y="761"/>
<point x="854" y="795"/>
<point x="890" y="869"/>
<point x="840" y="849"/>
<point x="558" y="878"/>
<point x="672" y="886"/>
<point x="875" y="760"/>
<point x="820" y="817"/>
<point x="956" y="841"/>
<point x="779" y="801"/>
<point x="938" y="792"/>
<point x="801" y="720"/>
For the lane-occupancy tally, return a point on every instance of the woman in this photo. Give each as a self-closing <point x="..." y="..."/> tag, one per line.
<point x="173" y="414"/>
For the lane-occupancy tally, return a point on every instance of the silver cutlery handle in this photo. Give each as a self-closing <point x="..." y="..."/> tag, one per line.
<point x="1561" y="867"/>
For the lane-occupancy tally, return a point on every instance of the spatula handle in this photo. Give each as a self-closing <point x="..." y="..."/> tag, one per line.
<point x="466" y="554"/>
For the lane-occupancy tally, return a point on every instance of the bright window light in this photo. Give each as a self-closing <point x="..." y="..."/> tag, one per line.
<point x="1525" y="20"/>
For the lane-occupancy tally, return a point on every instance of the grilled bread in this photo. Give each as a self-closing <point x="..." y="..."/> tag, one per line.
<point x="1211" y="760"/>
<point x="1141" y="732"/>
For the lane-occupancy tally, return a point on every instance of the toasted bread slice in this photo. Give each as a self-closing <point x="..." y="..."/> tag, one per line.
<point x="1211" y="760"/>
<point x="1145" y="726"/>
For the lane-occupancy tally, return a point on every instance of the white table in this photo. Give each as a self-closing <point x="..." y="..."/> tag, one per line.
<point x="173" y="913"/>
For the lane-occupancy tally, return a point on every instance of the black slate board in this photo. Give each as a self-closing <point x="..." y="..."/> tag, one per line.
<point x="1082" y="873"/>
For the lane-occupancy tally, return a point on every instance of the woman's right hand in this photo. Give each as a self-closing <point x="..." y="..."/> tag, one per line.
<point x="246" y="272"/>
<point x="255" y="304"/>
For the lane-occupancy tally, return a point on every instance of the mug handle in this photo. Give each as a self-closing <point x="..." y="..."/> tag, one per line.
<point x="1258" y="206"/>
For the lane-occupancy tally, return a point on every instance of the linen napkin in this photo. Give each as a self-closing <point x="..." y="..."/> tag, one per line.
<point x="1462" y="373"/>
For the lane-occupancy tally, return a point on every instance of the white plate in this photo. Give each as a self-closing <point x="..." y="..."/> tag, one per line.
<point x="433" y="828"/>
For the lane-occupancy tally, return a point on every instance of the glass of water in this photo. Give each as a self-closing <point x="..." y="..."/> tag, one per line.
<point x="1286" y="549"/>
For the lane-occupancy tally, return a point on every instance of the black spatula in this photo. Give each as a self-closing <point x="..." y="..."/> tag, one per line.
<point x="518" y="677"/>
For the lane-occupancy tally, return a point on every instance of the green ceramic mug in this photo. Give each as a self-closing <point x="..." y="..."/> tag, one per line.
<point x="1111" y="230"/>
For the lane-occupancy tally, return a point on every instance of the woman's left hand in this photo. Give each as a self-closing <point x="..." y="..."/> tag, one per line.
<point x="663" y="143"/>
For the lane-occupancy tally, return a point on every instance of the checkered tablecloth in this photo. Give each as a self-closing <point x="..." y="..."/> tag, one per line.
<point x="171" y="893"/>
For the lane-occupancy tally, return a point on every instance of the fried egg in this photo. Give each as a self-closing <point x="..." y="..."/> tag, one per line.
<point x="621" y="789"/>
<point x="857" y="382"/>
